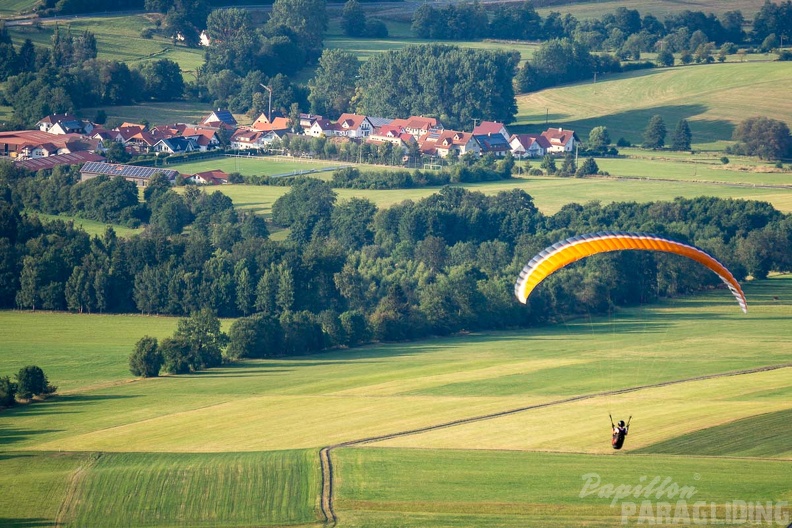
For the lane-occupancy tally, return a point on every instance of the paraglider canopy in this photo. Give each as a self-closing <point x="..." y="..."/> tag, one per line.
<point x="561" y="254"/>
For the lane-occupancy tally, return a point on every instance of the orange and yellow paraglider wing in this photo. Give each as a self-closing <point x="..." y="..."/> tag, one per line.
<point x="573" y="249"/>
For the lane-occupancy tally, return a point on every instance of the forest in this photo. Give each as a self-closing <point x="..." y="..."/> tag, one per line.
<point x="349" y="273"/>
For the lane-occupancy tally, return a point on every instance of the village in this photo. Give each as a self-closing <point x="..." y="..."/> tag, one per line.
<point x="63" y="139"/>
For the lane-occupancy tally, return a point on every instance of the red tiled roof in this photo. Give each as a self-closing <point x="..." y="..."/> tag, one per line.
<point x="488" y="127"/>
<point x="558" y="136"/>
<point x="215" y="177"/>
<point x="278" y="123"/>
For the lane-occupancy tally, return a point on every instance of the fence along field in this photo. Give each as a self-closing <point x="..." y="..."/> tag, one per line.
<point x="265" y="407"/>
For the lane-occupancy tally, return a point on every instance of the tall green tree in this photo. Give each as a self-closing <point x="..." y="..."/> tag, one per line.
<point x="201" y="332"/>
<point x="682" y="136"/>
<point x="306" y="18"/>
<point x="764" y="137"/>
<point x="655" y="133"/>
<point x="353" y="19"/>
<point x="333" y="86"/>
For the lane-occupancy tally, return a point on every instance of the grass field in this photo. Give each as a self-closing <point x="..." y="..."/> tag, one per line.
<point x="14" y="7"/>
<point x="92" y="227"/>
<point x="450" y="488"/>
<point x="659" y="8"/>
<point x="208" y="449"/>
<point x="63" y="343"/>
<point x="549" y="193"/>
<point x="154" y="113"/>
<point x="117" y="38"/>
<point x="134" y="489"/>
<point x="714" y="98"/>
<point x="363" y="49"/>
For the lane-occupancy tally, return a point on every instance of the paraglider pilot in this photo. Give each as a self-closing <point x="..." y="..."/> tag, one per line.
<point x="619" y="433"/>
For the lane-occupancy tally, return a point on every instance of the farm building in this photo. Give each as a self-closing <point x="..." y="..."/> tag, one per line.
<point x="139" y="175"/>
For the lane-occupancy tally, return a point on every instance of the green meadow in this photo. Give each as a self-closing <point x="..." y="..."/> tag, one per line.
<point x="481" y="488"/>
<point x="118" y="37"/>
<point x="238" y="445"/>
<point x="15" y="7"/>
<point x="92" y="227"/>
<point x="659" y="8"/>
<point x="713" y="98"/>
<point x="549" y="193"/>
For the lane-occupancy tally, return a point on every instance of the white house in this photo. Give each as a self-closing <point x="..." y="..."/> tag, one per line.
<point x="561" y="141"/>
<point x="528" y="145"/>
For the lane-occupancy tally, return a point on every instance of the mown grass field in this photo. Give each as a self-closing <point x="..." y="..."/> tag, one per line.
<point x="549" y="193"/>
<point x="450" y="488"/>
<point x="204" y="450"/>
<point x="714" y="98"/>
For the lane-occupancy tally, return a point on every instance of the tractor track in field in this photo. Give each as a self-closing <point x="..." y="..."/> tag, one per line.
<point x="326" y="461"/>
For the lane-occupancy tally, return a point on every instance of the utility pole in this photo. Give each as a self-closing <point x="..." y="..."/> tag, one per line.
<point x="269" y="113"/>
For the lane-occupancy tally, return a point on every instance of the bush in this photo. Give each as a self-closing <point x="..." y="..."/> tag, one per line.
<point x="724" y="160"/>
<point x="8" y="391"/>
<point x="146" y="360"/>
<point x="785" y="55"/>
<point x="376" y="28"/>
<point x="623" y="143"/>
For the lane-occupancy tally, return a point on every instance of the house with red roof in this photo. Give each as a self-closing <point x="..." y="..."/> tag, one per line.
<point x="460" y="142"/>
<point x="418" y="126"/>
<point x="561" y="141"/>
<point x="528" y="145"/>
<point x="486" y="128"/>
<point x="403" y="140"/>
<point x="277" y="124"/>
<point x="323" y="127"/>
<point x="206" y="137"/>
<point x="211" y="177"/>
<point x="354" y="126"/>
<point x="250" y="139"/>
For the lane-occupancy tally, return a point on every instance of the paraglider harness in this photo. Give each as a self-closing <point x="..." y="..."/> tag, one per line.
<point x="617" y="440"/>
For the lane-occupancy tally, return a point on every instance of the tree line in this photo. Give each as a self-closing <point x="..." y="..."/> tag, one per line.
<point x="349" y="272"/>
<point x="624" y="31"/>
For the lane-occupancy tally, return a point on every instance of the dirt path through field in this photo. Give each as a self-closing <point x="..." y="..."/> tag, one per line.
<point x="327" y="462"/>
